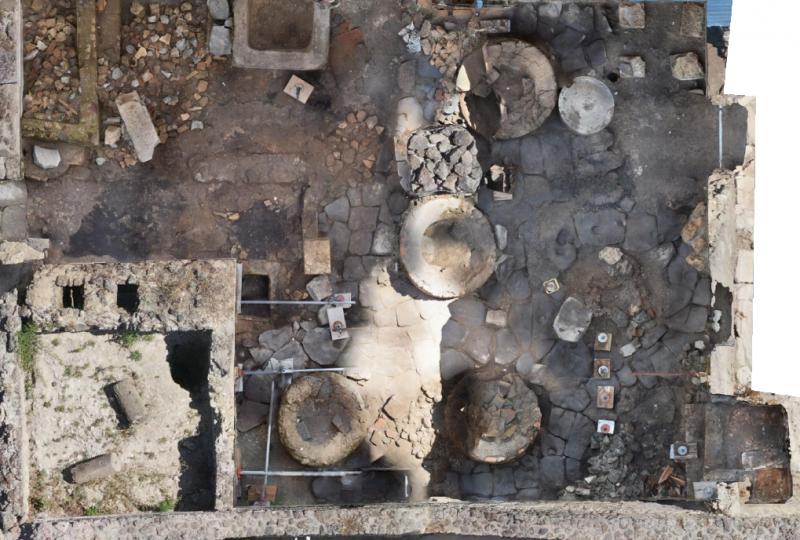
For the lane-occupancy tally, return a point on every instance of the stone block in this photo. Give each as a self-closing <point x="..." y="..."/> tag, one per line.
<point x="631" y="15"/>
<point x="693" y="20"/>
<point x="744" y="267"/>
<point x="96" y="468"/>
<point x="219" y="41"/>
<point x="338" y="210"/>
<point x="12" y="193"/>
<point x="129" y="400"/>
<point x="46" y="158"/>
<point x="218" y="9"/>
<point x="316" y="256"/>
<point x="8" y="65"/>
<point x="687" y="67"/>
<point x="14" y="223"/>
<point x="18" y="253"/>
<point x="320" y="288"/>
<point x="139" y="125"/>
<point x="496" y="317"/>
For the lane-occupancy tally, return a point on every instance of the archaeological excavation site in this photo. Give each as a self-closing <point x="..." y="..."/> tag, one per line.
<point x="381" y="269"/>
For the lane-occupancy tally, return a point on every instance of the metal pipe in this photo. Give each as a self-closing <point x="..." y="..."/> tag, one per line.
<point x="290" y="371"/>
<point x="298" y="302"/>
<point x="301" y="473"/>
<point x="719" y="136"/>
<point x="269" y="439"/>
<point x="322" y="473"/>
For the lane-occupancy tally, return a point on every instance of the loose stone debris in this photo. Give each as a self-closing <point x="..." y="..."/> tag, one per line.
<point x="443" y="160"/>
<point x="52" y="89"/>
<point x="163" y="59"/>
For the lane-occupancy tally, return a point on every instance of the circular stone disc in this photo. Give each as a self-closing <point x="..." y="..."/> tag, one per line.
<point x="492" y="416"/>
<point x="587" y="106"/>
<point x="447" y="246"/>
<point x="321" y="419"/>
<point x="519" y="78"/>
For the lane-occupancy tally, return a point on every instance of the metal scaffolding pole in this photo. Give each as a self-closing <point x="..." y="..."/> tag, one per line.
<point x="323" y="473"/>
<point x="290" y="371"/>
<point x="269" y="439"/>
<point x="298" y="302"/>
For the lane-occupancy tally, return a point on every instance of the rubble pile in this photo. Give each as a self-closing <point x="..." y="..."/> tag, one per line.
<point x="694" y="233"/>
<point x="164" y="59"/>
<point x="401" y="422"/>
<point x="443" y="160"/>
<point x="498" y="413"/>
<point x="447" y="48"/>
<point x="354" y="146"/>
<point x="52" y="83"/>
<point x="611" y="474"/>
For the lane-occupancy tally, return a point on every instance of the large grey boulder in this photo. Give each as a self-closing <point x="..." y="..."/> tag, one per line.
<point x="573" y="320"/>
<point x="320" y="348"/>
<point x="219" y="41"/>
<point x="218" y="9"/>
<point x="46" y="158"/>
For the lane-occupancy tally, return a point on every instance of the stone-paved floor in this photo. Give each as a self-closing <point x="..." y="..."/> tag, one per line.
<point x="630" y="187"/>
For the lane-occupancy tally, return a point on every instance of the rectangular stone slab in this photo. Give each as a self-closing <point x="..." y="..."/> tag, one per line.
<point x="129" y="400"/>
<point x="139" y="125"/>
<point x="94" y="469"/>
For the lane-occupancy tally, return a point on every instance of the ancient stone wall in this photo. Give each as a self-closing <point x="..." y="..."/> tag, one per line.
<point x="568" y="519"/>
<point x="13" y="437"/>
<point x="10" y="88"/>
<point x="12" y="190"/>
<point x="173" y="296"/>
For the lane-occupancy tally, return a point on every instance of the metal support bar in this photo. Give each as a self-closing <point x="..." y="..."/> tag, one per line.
<point x="290" y="371"/>
<point x="269" y="439"/>
<point x="297" y="302"/>
<point x="322" y="473"/>
<point x="719" y="137"/>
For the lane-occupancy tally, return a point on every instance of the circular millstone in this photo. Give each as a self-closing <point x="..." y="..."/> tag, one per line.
<point x="447" y="246"/>
<point x="587" y="106"/>
<point x="511" y="89"/>
<point x="321" y="419"/>
<point x="492" y="416"/>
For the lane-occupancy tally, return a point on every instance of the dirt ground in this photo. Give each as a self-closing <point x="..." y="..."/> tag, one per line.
<point x="73" y="417"/>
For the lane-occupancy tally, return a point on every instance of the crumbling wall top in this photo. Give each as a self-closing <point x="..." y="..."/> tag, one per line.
<point x="174" y="295"/>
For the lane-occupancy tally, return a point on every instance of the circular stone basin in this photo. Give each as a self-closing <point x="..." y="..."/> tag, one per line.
<point x="512" y="89"/>
<point x="321" y="420"/>
<point x="447" y="246"/>
<point x="587" y="106"/>
<point x="492" y="416"/>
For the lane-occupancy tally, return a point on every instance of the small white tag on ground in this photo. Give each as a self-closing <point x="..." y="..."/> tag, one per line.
<point x="337" y="323"/>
